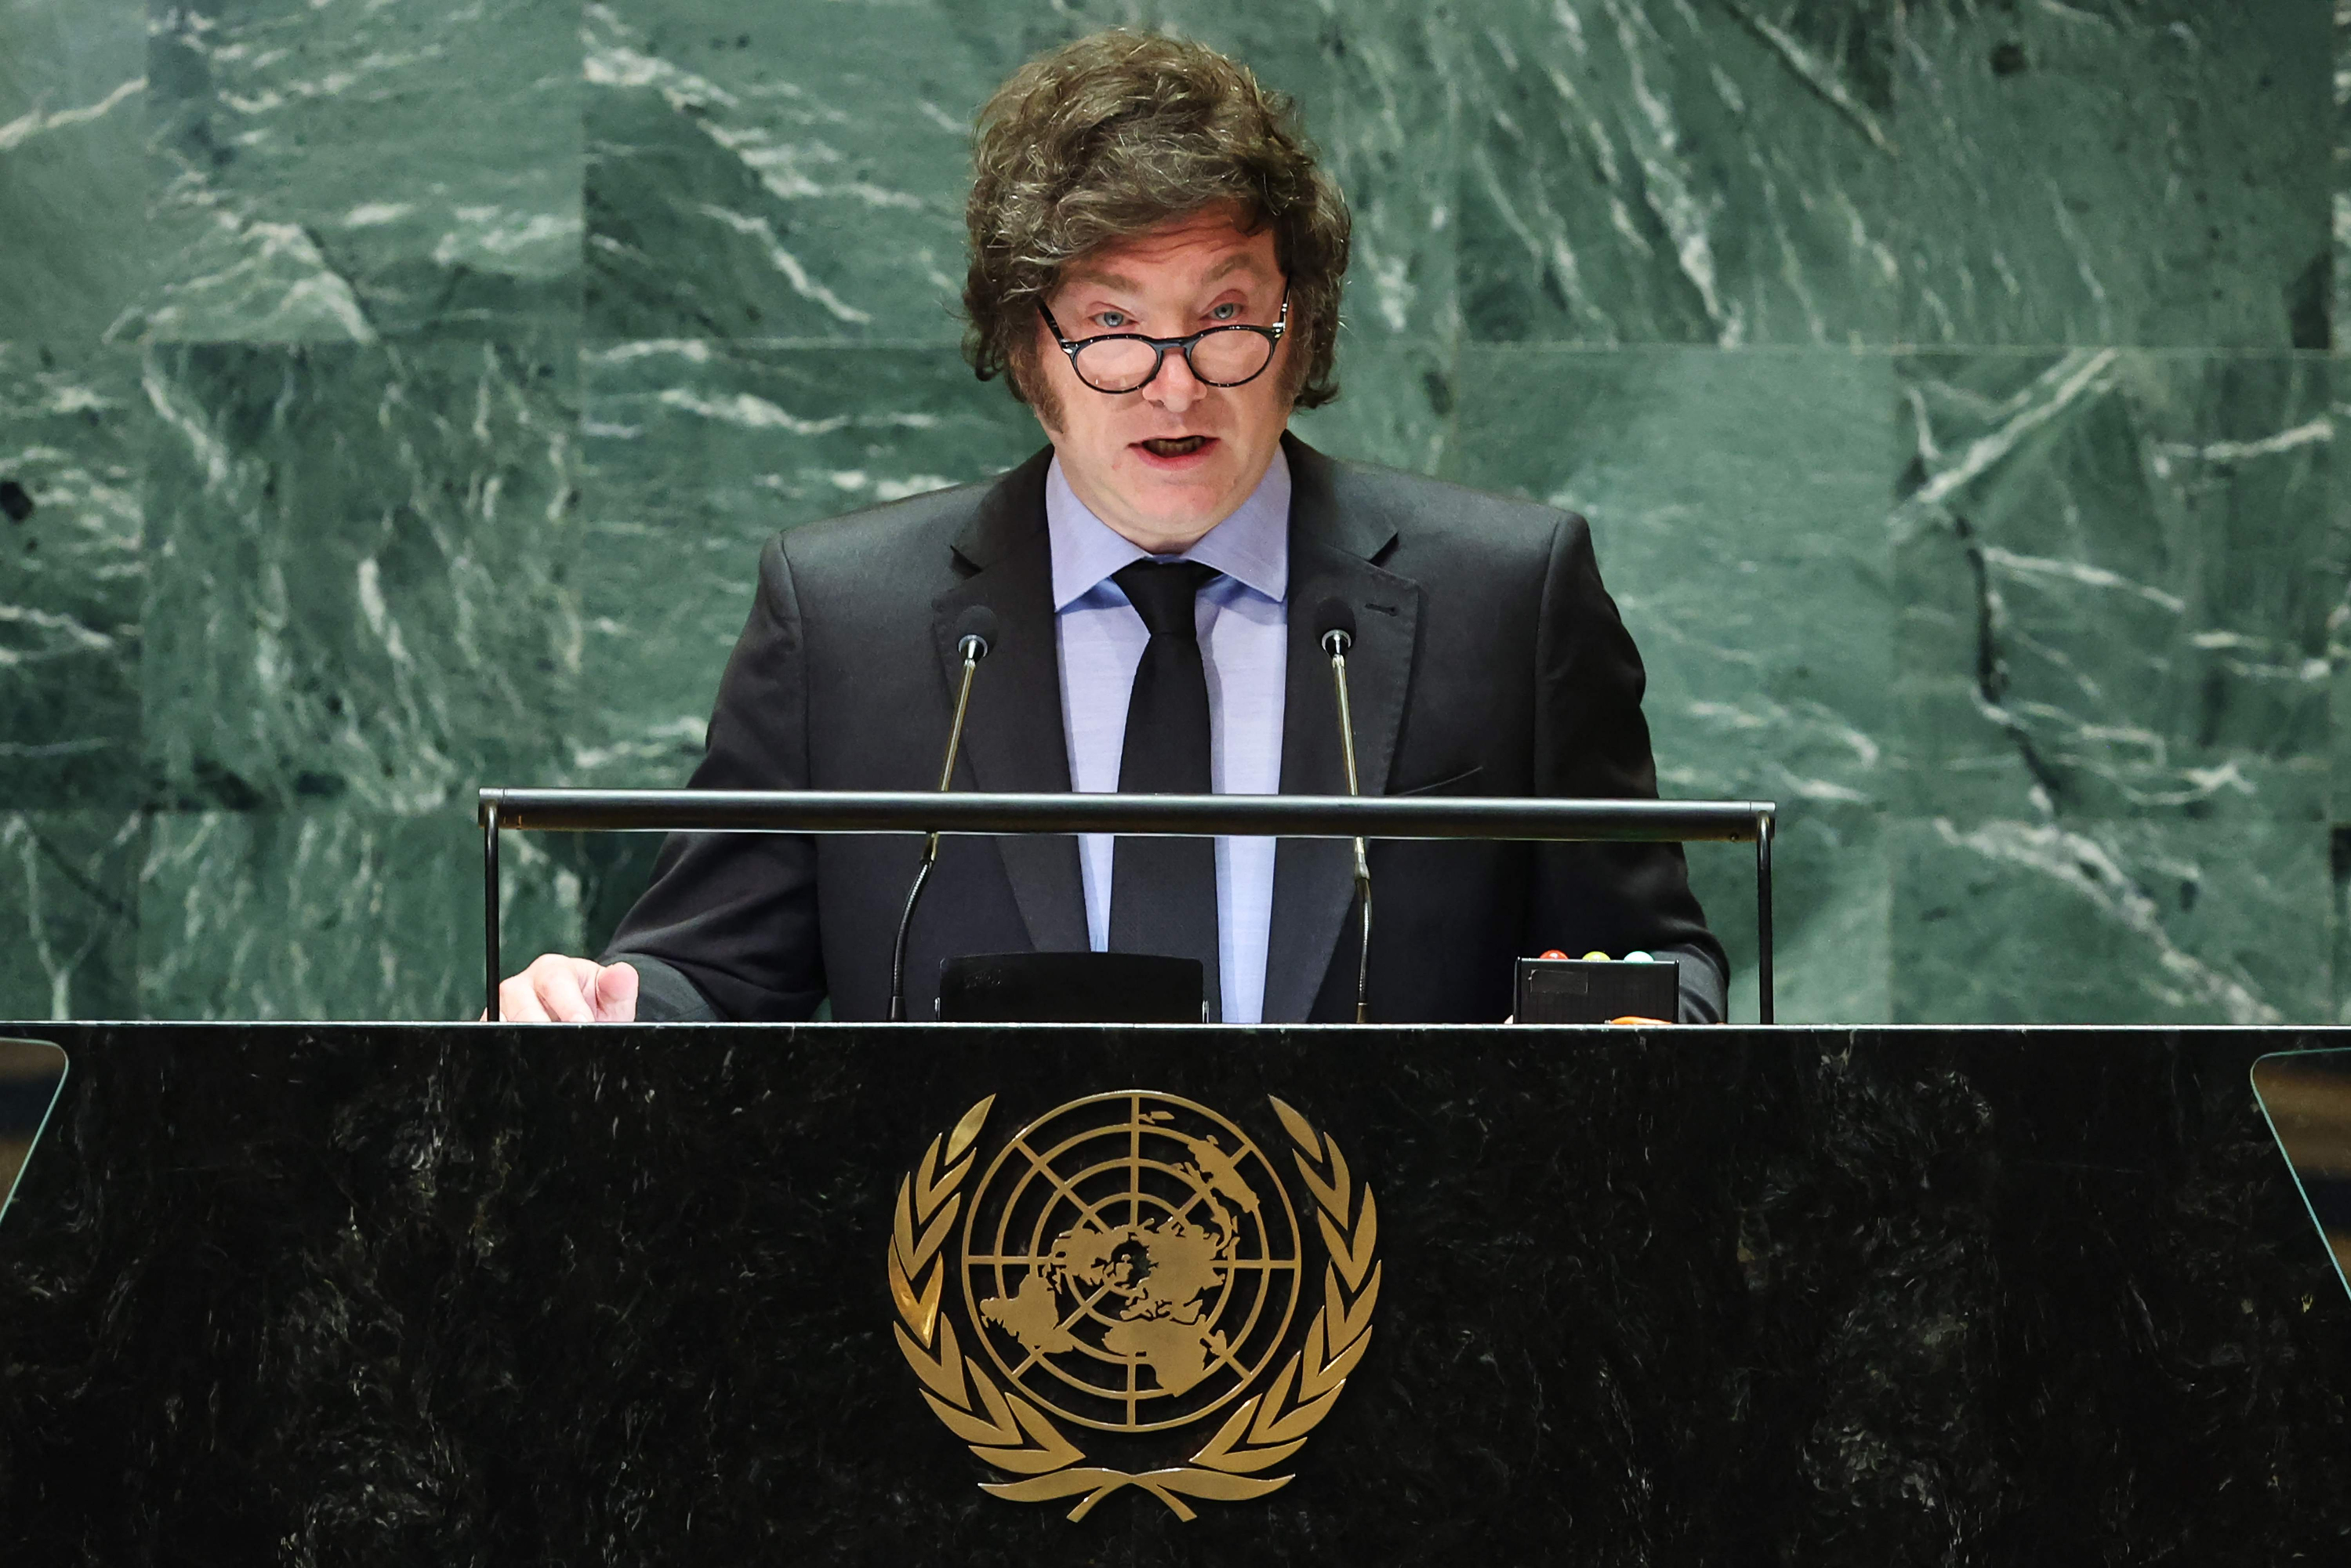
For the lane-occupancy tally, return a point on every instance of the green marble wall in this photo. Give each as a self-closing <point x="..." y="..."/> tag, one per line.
<point x="393" y="398"/>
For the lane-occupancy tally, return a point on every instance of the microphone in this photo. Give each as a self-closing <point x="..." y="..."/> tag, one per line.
<point x="977" y="636"/>
<point x="1337" y="619"/>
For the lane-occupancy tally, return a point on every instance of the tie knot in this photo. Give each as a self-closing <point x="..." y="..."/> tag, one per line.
<point x="1163" y="592"/>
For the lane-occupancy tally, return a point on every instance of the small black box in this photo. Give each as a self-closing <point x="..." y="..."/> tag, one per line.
<point x="1070" y="987"/>
<point x="1594" y="990"/>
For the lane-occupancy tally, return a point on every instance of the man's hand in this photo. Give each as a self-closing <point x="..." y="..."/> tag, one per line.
<point x="556" y="989"/>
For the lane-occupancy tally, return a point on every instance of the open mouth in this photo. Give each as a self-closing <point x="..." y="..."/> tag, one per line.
<point x="1174" y="446"/>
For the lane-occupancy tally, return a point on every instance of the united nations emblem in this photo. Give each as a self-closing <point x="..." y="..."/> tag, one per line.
<point x="1131" y="1264"/>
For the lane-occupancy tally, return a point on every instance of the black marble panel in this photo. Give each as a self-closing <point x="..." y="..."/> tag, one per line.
<point x="383" y="1294"/>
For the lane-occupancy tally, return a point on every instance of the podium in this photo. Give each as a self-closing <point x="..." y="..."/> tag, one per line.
<point x="382" y="1293"/>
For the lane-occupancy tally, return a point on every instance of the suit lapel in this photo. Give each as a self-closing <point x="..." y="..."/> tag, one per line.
<point x="1013" y="740"/>
<point x="1331" y="555"/>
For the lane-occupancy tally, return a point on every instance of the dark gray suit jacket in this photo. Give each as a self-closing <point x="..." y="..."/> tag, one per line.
<point x="1489" y="661"/>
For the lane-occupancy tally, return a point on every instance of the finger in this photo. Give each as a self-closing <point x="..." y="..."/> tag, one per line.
<point x="517" y="1003"/>
<point x="1635" y="1017"/>
<point x="616" y="994"/>
<point x="560" y="990"/>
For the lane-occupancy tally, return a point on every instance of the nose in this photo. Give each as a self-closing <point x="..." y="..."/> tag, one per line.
<point x="1174" y="388"/>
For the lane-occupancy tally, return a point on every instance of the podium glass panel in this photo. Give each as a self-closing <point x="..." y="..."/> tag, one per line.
<point x="32" y="1072"/>
<point x="2306" y="1095"/>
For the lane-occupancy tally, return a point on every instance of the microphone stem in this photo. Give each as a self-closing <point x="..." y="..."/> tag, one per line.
<point x="955" y="735"/>
<point x="1364" y="959"/>
<point x="930" y="843"/>
<point x="955" y="746"/>
<point x="898" y="953"/>
<point x="1363" y="860"/>
<point x="1346" y="729"/>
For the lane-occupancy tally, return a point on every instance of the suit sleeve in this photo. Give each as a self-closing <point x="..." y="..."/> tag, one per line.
<point x="735" y="914"/>
<point x="1591" y="742"/>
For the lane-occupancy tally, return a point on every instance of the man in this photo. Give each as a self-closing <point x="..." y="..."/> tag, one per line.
<point x="1156" y="263"/>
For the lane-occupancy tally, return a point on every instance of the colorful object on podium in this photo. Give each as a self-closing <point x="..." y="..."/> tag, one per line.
<point x="1596" y="990"/>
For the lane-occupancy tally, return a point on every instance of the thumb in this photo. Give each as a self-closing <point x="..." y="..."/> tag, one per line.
<point x="616" y="994"/>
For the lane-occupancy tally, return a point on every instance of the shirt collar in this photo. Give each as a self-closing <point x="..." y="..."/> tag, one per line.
<point x="1251" y="547"/>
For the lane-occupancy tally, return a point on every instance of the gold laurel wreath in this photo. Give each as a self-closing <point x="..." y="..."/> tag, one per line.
<point x="1013" y="1435"/>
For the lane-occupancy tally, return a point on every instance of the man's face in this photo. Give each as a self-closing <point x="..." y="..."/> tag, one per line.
<point x="1164" y="465"/>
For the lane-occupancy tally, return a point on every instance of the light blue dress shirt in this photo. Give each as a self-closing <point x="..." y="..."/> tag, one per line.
<point x="1244" y="623"/>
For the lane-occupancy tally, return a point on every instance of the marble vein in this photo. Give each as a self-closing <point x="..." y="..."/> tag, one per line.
<point x="35" y="122"/>
<point x="2081" y="866"/>
<point x="2076" y="376"/>
<point x="1808" y="69"/>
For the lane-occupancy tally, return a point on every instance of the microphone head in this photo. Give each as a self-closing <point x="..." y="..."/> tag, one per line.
<point x="976" y="632"/>
<point x="1334" y="618"/>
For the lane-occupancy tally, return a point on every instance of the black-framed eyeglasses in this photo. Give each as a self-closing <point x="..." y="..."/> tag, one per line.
<point x="1128" y="361"/>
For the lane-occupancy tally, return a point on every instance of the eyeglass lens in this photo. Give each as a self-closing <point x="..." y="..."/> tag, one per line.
<point x="1222" y="357"/>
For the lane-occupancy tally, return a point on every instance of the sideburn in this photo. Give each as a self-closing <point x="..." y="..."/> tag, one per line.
<point x="1020" y="369"/>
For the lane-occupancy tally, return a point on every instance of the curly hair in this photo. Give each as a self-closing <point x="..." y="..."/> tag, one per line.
<point x="1112" y="135"/>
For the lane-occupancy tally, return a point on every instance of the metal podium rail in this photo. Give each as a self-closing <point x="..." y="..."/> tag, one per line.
<point x="1195" y="816"/>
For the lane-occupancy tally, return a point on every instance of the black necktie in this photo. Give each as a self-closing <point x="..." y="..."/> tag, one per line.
<point x="1163" y="892"/>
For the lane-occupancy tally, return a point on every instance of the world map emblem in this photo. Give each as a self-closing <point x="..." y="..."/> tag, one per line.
<point x="1131" y="1271"/>
<point x="1131" y="1265"/>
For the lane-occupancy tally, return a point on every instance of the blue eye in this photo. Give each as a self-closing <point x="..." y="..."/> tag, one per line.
<point x="1224" y="312"/>
<point x="1110" y="320"/>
